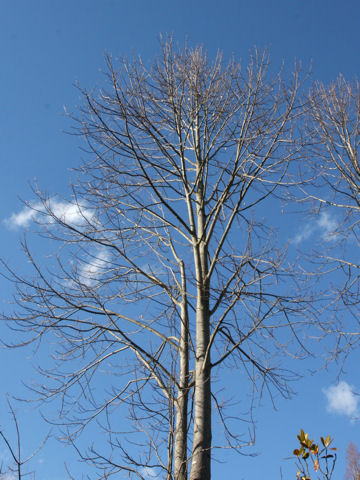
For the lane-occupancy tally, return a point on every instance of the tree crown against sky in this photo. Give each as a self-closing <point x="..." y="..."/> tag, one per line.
<point x="353" y="462"/>
<point x="332" y="154"/>
<point x="167" y="275"/>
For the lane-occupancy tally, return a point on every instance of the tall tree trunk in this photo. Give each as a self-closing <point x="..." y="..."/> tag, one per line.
<point x="181" y="404"/>
<point x="201" y="452"/>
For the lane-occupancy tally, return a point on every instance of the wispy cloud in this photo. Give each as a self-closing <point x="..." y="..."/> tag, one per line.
<point x="7" y="476"/>
<point x="342" y="400"/>
<point x="324" y="226"/>
<point x="328" y="225"/>
<point x="305" y="233"/>
<point x="149" y="473"/>
<point x="91" y="271"/>
<point x="67" y="212"/>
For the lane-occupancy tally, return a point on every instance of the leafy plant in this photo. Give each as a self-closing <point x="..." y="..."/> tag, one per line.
<point x="315" y="457"/>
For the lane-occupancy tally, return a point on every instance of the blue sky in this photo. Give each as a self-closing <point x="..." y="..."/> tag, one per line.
<point x="46" y="48"/>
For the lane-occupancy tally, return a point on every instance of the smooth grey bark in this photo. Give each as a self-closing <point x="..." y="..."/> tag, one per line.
<point x="201" y="451"/>
<point x="181" y="404"/>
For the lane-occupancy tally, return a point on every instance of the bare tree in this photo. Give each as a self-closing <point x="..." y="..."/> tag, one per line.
<point x="353" y="462"/>
<point x="334" y="113"/>
<point x="14" y="468"/>
<point x="168" y="276"/>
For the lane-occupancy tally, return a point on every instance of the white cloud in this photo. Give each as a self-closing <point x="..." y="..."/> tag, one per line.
<point x="67" y="212"/>
<point x="328" y="225"/>
<point x="325" y="226"/>
<point x="342" y="400"/>
<point x="148" y="473"/>
<point x="7" y="476"/>
<point x="92" y="270"/>
<point x="71" y="213"/>
<point x="303" y="235"/>
<point x="21" y="219"/>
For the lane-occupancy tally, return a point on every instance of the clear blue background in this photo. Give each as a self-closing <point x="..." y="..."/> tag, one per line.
<point x="48" y="46"/>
